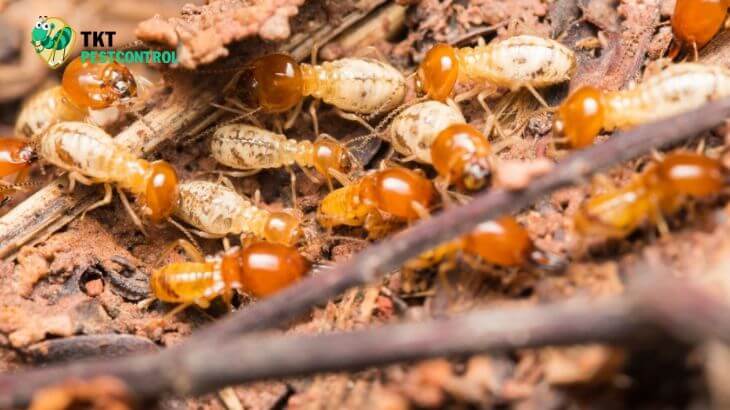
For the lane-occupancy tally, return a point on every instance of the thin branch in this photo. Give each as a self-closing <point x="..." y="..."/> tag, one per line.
<point x="646" y="313"/>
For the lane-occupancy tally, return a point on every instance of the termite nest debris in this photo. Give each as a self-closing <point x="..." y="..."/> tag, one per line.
<point x="142" y="203"/>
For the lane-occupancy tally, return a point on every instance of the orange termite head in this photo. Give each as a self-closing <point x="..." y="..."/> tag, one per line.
<point x="96" y="86"/>
<point x="161" y="193"/>
<point x="688" y="173"/>
<point x="266" y="268"/>
<point x="580" y="117"/>
<point x="329" y="154"/>
<point x="283" y="228"/>
<point x="438" y="72"/>
<point x="276" y="82"/>
<point x="460" y="153"/>
<point x="695" y="22"/>
<point x="397" y="191"/>
<point x="16" y="154"/>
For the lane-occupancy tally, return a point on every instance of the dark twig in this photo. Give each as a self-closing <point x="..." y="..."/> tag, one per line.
<point x="644" y="314"/>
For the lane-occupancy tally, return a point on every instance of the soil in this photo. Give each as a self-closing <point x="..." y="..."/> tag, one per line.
<point x="90" y="279"/>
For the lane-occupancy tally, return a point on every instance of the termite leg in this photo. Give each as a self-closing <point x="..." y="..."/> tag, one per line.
<point x="422" y="212"/>
<point x="102" y="202"/>
<point x="313" y="113"/>
<point x="177" y="309"/>
<point x="291" y="119"/>
<point x="442" y="187"/>
<point x="74" y="177"/>
<point x="343" y="179"/>
<point x="656" y="155"/>
<point x="185" y="232"/>
<point x="696" y="53"/>
<point x="190" y="250"/>
<point x="293" y="182"/>
<point x="127" y="207"/>
<point x="481" y="98"/>
<point x="538" y="97"/>
<point x="354" y="117"/>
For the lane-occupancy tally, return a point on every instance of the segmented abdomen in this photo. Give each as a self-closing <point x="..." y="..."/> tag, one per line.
<point x="414" y="130"/>
<point x="218" y="210"/>
<point x="679" y="88"/>
<point x="43" y="109"/>
<point x="243" y="146"/>
<point x="186" y="282"/>
<point x="358" y="85"/>
<point x="518" y="61"/>
<point x="88" y="150"/>
<point x="342" y="207"/>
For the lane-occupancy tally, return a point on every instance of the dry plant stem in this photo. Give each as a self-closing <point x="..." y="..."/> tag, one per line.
<point x="391" y="253"/>
<point x="643" y="315"/>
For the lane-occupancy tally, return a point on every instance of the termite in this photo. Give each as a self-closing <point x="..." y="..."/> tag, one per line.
<point x="216" y="211"/>
<point x="84" y="87"/>
<point x="679" y="88"/>
<point x="521" y="61"/>
<point x="354" y="85"/>
<point x="695" y="23"/>
<point x="16" y="157"/>
<point x="435" y="133"/>
<point x="91" y="156"/>
<point x="659" y="190"/>
<point x="399" y="192"/>
<point x="259" y="269"/>
<point x="502" y="242"/>
<point x="251" y="148"/>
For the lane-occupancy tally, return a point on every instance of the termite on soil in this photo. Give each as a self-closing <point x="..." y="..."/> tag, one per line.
<point x="91" y="156"/>
<point x="84" y="87"/>
<point x="521" y="61"/>
<point x="399" y="192"/>
<point x="662" y="188"/>
<point x="502" y="242"/>
<point x="251" y="148"/>
<point x="354" y="85"/>
<point x="260" y="269"/>
<point x="679" y="88"/>
<point x="216" y="211"/>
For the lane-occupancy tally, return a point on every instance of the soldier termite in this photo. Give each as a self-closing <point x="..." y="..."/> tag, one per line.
<point x="659" y="190"/>
<point x="521" y="61"/>
<point x="399" y="192"/>
<point x="84" y="87"/>
<point x="679" y="88"/>
<point x="216" y="211"/>
<point x="259" y="269"/>
<point x="91" y="156"/>
<point x="354" y="85"/>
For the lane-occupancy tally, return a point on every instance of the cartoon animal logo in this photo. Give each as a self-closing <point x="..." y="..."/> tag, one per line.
<point x="52" y="39"/>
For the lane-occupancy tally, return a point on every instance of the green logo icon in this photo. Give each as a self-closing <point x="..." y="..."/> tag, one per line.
<point x="53" y="39"/>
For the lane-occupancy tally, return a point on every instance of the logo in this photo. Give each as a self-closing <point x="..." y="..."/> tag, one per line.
<point x="52" y="39"/>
